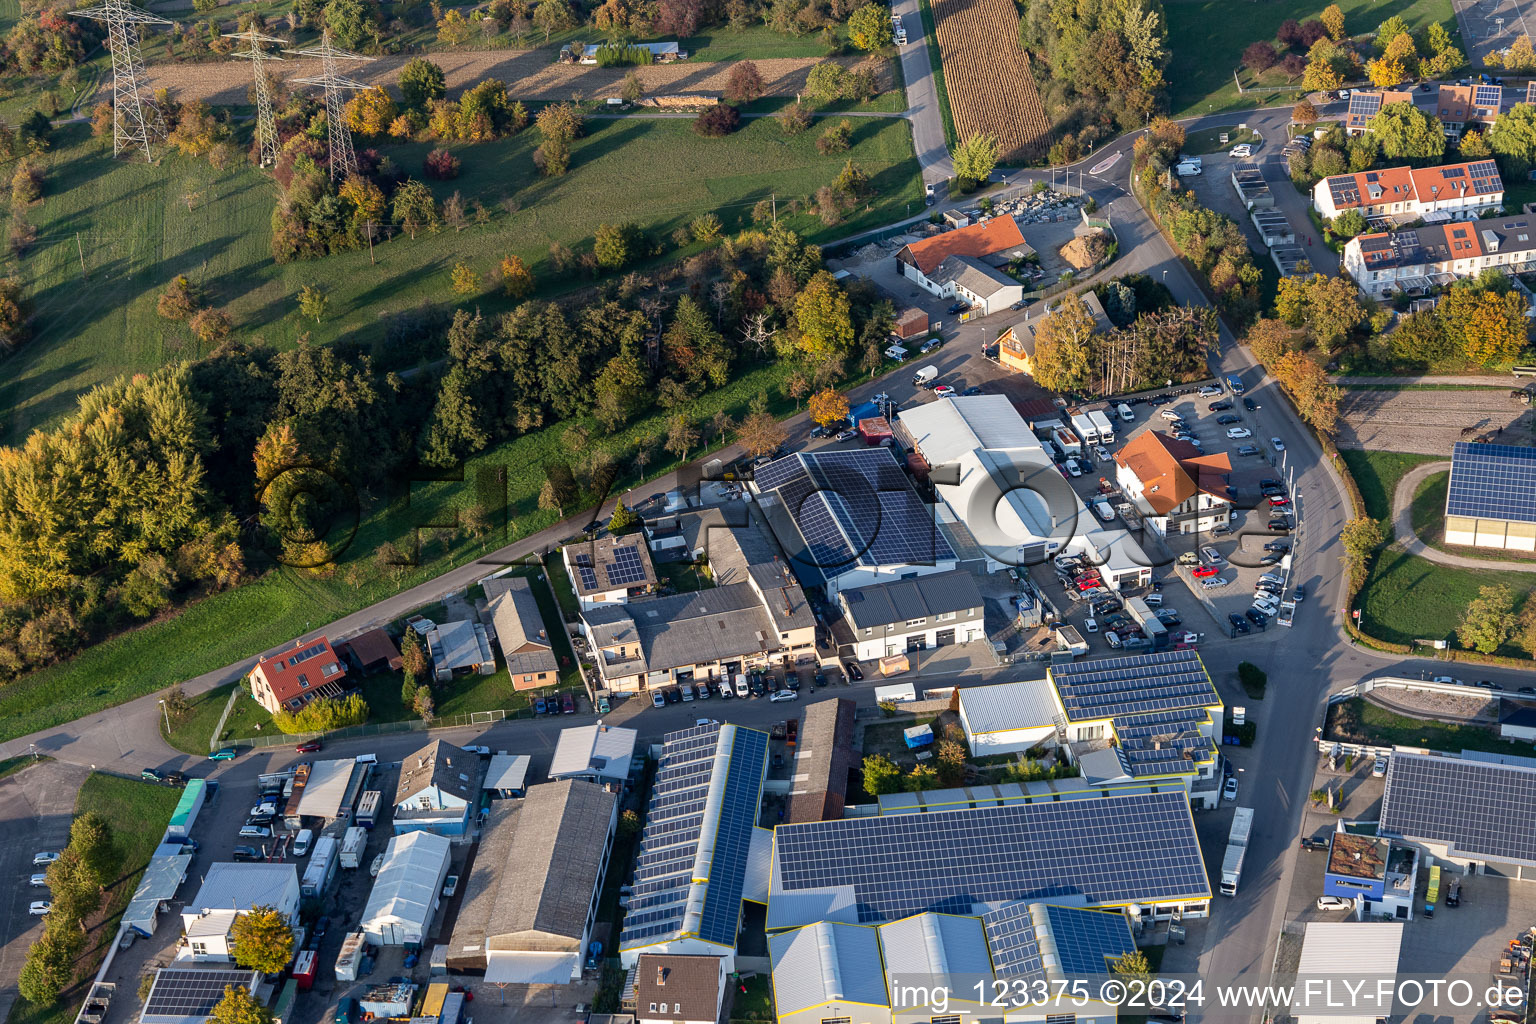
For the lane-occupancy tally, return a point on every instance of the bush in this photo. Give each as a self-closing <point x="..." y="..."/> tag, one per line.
<point x="324" y="714"/>
<point x="442" y="165"/>
<point x="1253" y="679"/>
<point x="795" y="118"/>
<point x="721" y="119"/>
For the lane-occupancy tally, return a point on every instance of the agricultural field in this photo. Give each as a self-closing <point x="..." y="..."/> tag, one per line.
<point x="136" y="227"/>
<point x="1430" y="420"/>
<point x="988" y="79"/>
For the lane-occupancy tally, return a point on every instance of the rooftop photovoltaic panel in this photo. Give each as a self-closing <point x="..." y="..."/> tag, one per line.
<point x="626" y="567"/>
<point x="1487" y="96"/>
<point x="1344" y="189"/>
<point x="1116" y="848"/>
<point x="1364" y="105"/>
<point x="1134" y="685"/>
<point x="1485" y="177"/>
<point x="1480" y="809"/>
<point x="1088" y="940"/>
<point x="188" y="992"/>
<point x="675" y="821"/>
<point x="1492" y="481"/>
<point x="584" y="570"/>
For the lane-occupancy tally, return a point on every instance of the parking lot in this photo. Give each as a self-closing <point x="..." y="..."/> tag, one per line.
<point x="37" y="806"/>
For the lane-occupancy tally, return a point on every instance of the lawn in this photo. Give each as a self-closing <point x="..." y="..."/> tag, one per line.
<point x="1207" y="38"/>
<point x="682" y="577"/>
<point x="138" y="813"/>
<point x="1407" y="598"/>
<point x="1360" y="720"/>
<point x="139" y="226"/>
<point x="191" y="731"/>
<point x="1377" y="474"/>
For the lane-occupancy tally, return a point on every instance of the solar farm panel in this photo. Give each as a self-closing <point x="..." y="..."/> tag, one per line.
<point x="1492" y="481"/>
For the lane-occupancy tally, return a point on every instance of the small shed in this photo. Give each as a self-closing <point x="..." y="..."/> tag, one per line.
<point x="372" y="651"/>
<point x="911" y="323"/>
<point x="918" y="736"/>
<point x="876" y="429"/>
<point x="507" y="776"/>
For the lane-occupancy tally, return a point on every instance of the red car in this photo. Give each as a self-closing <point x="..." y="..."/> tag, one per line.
<point x="308" y="748"/>
<point x="1202" y="571"/>
<point x="1277" y="501"/>
<point x="567" y="704"/>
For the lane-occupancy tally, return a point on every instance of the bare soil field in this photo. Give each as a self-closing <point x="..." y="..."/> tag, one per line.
<point x="1430" y="421"/>
<point x="529" y="74"/>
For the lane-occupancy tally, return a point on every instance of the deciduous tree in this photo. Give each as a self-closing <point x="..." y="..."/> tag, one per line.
<point x="263" y="939"/>
<point x="237" y="1007"/>
<point x="1513" y="138"/>
<point x="90" y="837"/>
<point x="975" y="158"/>
<point x="421" y="82"/>
<point x="761" y="434"/>
<point x="1406" y="132"/>
<point x="371" y="112"/>
<point x="1489" y="620"/>
<point x="869" y="27"/>
<point x="745" y="83"/>
<point x="824" y="319"/>
<point x="881" y="776"/>
<point x="1333" y="20"/>
<point x="1260" y="56"/>
<point x="1064" y="347"/>
<point x="516" y="279"/>
<point x="828" y="407"/>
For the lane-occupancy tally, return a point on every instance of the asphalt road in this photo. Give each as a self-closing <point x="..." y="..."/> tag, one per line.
<point x="922" y="97"/>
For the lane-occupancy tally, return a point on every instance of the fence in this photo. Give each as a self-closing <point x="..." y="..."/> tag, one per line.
<point x="469" y="718"/>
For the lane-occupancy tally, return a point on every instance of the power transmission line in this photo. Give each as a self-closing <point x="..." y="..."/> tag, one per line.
<point x="135" y="121"/>
<point x="266" y="124"/>
<point x="343" y="158"/>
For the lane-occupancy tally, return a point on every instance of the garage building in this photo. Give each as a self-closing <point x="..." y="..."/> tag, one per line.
<point x="1491" y="500"/>
<point x="405" y="894"/>
<point x="1008" y="717"/>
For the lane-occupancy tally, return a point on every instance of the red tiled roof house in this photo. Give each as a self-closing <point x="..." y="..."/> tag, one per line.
<point x="290" y="679"/>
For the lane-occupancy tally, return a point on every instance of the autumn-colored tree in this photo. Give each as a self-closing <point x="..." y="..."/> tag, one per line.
<point x="1489" y="620"/>
<point x="1333" y="20"/>
<point x="453" y="29"/>
<point x="828" y="407"/>
<point x="1360" y="538"/>
<point x="263" y="939"/>
<point x="1384" y="72"/>
<point x="681" y="437"/>
<point x="465" y="280"/>
<point x="179" y="300"/>
<point x="1305" y="380"/>
<point x="516" y="279"/>
<point x="1490" y="326"/>
<point x="824" y="319"/>
<point x="1304" y="113"/>
<point x="211" y="325"/>
<point x="371" y="112"/>
<point x="761" y="434"/>
<point x="1329" y="307"/>
<point x="869" y="27"/>
<point x="1520" y="56"/>
<point x="1064" y="347"/>
<point x="745" y="83"/>
<point x="1323" y="72"/>
<point x="415" y="207"/>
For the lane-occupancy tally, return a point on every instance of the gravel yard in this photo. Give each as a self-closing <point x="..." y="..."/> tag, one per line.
<point x="529" y="74"/>
<point x="1430" y="421"/>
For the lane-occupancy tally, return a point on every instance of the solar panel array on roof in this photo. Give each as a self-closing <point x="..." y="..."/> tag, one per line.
<point x="1115" y="848"/>
<point x="1085" y="941"/>
<point x="1492" y="481"/>
<point x="626" y="567"/>
<point x="855" y="508"/>
<point x="1138" y="684"/>
<point x="675" y="822"/>
<point x="1344" y="189"/>
<point x="1487" y="96"/>
<point x="1363" y="106"/>
<point x="584" y="569"/>
<point x="1480" y="809"/>
<point x="1485" y="177"/>
<point x="192" y="992"/>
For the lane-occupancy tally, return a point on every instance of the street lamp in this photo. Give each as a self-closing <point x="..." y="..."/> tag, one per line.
<point x="167" y="712"/>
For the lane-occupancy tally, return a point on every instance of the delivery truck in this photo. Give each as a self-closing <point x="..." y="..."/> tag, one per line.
<point x="1237" y="847"/>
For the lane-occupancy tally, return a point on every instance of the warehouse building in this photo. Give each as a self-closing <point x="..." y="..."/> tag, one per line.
<point x="1472" y="811"/>
<point x="405" y="894"/>
<point x="829" y="970"/>
<point x="698" y="846"/>
<point x="823" y="759"/>
<point x="531" y="897"/>
<point x="1007" y="718"/>
<point x="1491" y="499"/>
<point x="1335" y="954"/>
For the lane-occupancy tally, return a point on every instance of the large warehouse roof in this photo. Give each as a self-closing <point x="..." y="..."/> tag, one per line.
<point x="1139" y="684"/>
<point x="405" y="891"/>
<point x="826" y="962"/>
<point x="1476" y="808"/>
<point x="694" y="853"/>
<point x="823" y="757"/>
<point x="1108" y="848"/>
<point x="1492" y="481"/>
<point x="229" y="886"/>
<point x="947" y="429"/>
<point x="326" y="788"/>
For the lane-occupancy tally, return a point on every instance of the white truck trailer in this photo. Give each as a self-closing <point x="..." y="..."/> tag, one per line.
<point x="1237" y="847"/>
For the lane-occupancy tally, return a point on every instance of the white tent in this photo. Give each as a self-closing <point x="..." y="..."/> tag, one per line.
<point x="404" y="896"/>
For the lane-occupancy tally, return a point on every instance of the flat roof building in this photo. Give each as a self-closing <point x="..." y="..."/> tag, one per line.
<point x="187" y="995"/>
<point x="1336" y="953"/>
<point x="229" y="890"/>
<point x="1006" y="718"/>
<point x="596" y="752"/>
<point x="507" y="775"/>
<point x="915" y="614"/>
<point x="823" y="758"/>
<point x="1471" y="812"/>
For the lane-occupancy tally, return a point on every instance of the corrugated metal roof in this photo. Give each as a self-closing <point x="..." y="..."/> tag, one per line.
<point x="935" y="944"/>
<point x="1027" y="704"/>
<point x="827" y="962"/>
<point x="759" y="866"/>
<point x="326" y="786"/>
<point x="595" y="749"/>
<point x="507" y="771"/>
<point x="946" y="429"/>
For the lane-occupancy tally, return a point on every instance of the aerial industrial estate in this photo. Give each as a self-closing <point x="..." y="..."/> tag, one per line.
<point x="682" y="513"/>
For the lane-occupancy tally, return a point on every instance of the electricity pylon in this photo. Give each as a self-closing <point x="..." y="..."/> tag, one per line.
<point x="266" y="124"/>
<point x="343" y="159"/>
<point x="135" y="121"/>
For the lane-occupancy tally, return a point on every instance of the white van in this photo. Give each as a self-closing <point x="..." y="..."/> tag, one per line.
<point x="301" y="842"/>
<point x="1125" y="412"/>
<point x="741" y="685"/>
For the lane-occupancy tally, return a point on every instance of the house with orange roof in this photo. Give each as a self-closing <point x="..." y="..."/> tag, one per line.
<point x="1178" y="488"/>
<point x="964" y="264"/>
<point x="1399" y="194"/>
<point x="290" y="679"/>
<point x="1417" y="261"/>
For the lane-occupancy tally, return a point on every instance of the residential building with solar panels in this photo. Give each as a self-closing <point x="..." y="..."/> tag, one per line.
<point x="1474" y="810"/>
<point x="609" y="570"/>
<point x="1418" y="260"/>
<point x="1366" y="104"/>
<point x="1397" y="195"/>
<point x="1491" y="499"/>
<point x="850" y="518"/>
<point x="701" y="852"/>
<point x="1460" y="107"/>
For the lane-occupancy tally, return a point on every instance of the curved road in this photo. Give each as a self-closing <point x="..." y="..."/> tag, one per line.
<point x="1403" y="532"/>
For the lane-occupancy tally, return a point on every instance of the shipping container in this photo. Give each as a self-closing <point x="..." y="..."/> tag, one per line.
<point x="304" y="969"/>
<point x="188" y="807"/>
<point x="912" y="323"/>
<point x="353" y="949"/>
<point x="353" y="843"/>
<point x="875" y="429"/>
<point x="368" y="808"/>
<point x="322" y="867"/>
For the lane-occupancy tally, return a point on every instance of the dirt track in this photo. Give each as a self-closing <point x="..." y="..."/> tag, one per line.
<point x="1429" y="421"/>
<point x="529" y="75"/>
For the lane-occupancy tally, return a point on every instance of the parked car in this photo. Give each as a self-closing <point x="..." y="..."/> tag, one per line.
<point x="851" y="668"/>
<point x="819" y="680"/>
<point x="1334" y="903"/>
<point x="1238" y="433"/>
<point x="567" y="704"/>
<point x="1210" y="391"/>
<point x="1282" y="546"/>
<point x="1247" y="451"/>
<point x="1203" y="571"/>
<point x="1229" y="418"/>
<point x="40" y="908"/>
<point x="1257" y="617"/>
<point x="255" y="832"/>
<point x="150" y="775"/>
<point x="539" y="707"/>
<point x="40" y="878"/>
<point x="226" y="754"/>
<point x="1278" y="501"/>
<point x="1250" y="404"/>
<point x="846" y="435"/>
<point x="1311" y="843"/>
<point x="781" y="695"/>
<point x="43" y="859"/>
<point x="1238" y="622"/>
<point x="1073" y="468"/>
<point x="309" y="747"/>
<point x="687" y="694"/>
<point x="1279" y="525"/>
<point x="1171" y="416"/>
<point x="819" y="431"/>
<point x="1091" y="625"/>
<point x="1221" y="406"/>
<point x="958" y="307"/>
<point x="245" y="853"/>
<point x="1211" y="555"/>
<point x="373" y="868"/>
<point x="1101" y="453"/>
<point x="1229" y="788"/>
<point x="973" y="390"/>
<point x="944" y="391"/>
<point x="1214" y="582"/>
<point x="658" y="699"/>
<point x="450" y="885"/>
<point x="1379" y="769"/>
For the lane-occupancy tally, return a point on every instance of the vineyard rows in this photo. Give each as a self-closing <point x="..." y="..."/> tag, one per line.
<point x="988" y="78"/>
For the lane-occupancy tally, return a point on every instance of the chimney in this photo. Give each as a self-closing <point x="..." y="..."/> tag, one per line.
<point x="661" y="976"/>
